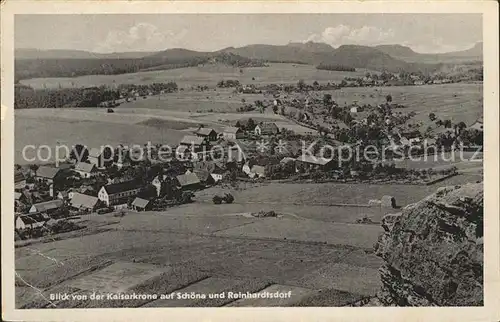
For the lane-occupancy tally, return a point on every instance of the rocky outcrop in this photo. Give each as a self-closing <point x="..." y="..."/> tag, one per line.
<point x="433" y="251"/>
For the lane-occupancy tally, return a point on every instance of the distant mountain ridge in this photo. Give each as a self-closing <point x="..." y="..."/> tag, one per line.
<point x="33" y="53"/>
<point x="474" y="53"/>
<point x="393" y="58"/>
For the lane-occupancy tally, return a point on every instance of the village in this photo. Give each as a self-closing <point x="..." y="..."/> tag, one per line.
<point x="101" y="180"/>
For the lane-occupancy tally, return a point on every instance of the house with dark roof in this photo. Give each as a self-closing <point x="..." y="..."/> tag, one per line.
<point x="47" y="207"/>
<point x="19" y="180"/>
<point x="47" y="174"/>
<point x="232" y="133"/>
<point x="188" y="181"/>
<point x="118" y="193"/>
<point x="140" y="204"/>
<point x="83" y="202"/>
<point x="266" y="128"/>
<point x="31" y="221"/>
<point x="86" y="170"/>
<point x="217" y="173"/>
<point x="208" y="134"/>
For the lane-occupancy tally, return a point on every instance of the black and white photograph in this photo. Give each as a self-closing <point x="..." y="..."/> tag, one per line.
<point x="168" y="160"/>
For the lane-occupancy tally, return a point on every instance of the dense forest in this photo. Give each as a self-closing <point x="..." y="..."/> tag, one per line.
<point x="27" y="97"/>
<point x="35" y="68"/>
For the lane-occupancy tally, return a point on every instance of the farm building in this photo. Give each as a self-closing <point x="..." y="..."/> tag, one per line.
<point x="217" y="173"/>
<point x="80" y="201"/>
<point x="47" y="207"/>
<point x="193" y="143"/>
<point x="189" y="181"/>
<point x="140" y="204"/>
<point x="309" y="162"/>
<point x="31" y="221"/>
<point x="232" y="133"/>
<point x="354" y="109"/>
<point x="97" y="157"/>
<point x="204" y="177"/>
<point x="86" y="170"/>
<point x="266" y="129"/>
<point x="477" y="125"/>
<point x="410" y="138"/>
<point x="116" y="193"/>
<point x="207" y="133"/>
<point x="47" y="174"/>
<point x="19" y="180"/>
<point x="388" y="201"/>
<point x="157" y="182"/>
<point x="63" y="195"/>
<point x="254" y="171"/>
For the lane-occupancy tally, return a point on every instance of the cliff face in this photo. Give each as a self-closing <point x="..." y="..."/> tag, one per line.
<point x="433" y="251"/>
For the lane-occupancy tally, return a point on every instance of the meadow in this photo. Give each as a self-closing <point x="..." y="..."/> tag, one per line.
<point x="459" y="102"/>
<point x="204" y="75"/>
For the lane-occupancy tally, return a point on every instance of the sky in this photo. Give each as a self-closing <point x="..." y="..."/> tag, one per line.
<point x="425" y="33"/>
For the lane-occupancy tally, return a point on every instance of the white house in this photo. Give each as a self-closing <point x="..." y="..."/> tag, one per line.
<point x="31" y="221"/>
<point x="86" y="170"/>
<point x="118" y="193"/>
<point x="354" y="109"/>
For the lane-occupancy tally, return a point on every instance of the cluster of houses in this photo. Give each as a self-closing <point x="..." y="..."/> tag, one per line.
<point x="38" y="200"/>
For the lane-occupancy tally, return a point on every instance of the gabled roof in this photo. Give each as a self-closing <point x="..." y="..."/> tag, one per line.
<point x="258" y="169"/>
<point x="33" y="218"/>
<point x="48" y="205"/>
<point x="218" y="170"/>
<point x="268" y="127"/>
<point x="188" y="179"/>
<point x="121" y="187"/>
<point x="80" y="200"/>
<point x="192" y="139"/>
<point x="313" y="160"/>
<point x="139" y="202"/>
<point x="18" y="176"/>
<point x="287" y="159"/>
<point x="95" y="152"/>
<point x="47" y="172"/>
<point x="202" y="175"/>
<point x="232" y="129"/>
<point x="85" y="167"/>
<point x="204" y="131"/>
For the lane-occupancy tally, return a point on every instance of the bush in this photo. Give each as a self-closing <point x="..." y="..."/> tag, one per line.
<point x="229" y="198"/>
<point x="217" y="200"/>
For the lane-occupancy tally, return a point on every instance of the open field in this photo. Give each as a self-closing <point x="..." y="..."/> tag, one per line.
<point x="139" y="257"/>
<point x="205" y="75"/>
<point x="95" y="127"/>
<point x="457" y="102"/>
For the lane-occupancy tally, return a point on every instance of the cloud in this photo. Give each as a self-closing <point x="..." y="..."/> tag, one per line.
<point x="140" y="37"/>
<point x="345" y="35"/>
<point x="372" y="36"/>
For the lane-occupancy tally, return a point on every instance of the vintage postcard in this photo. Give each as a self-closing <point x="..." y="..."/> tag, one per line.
<point x="250" y="160"/>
